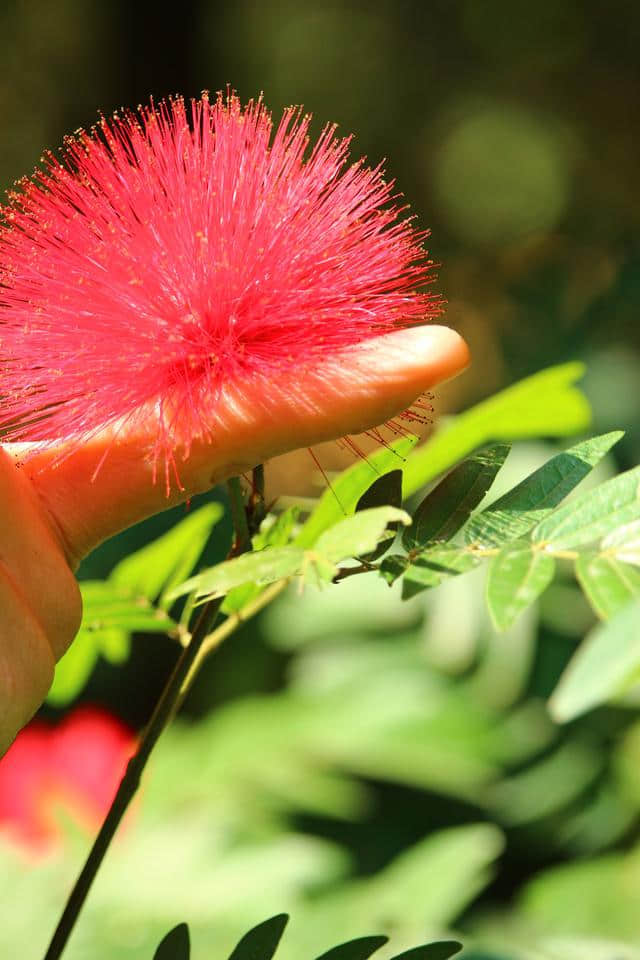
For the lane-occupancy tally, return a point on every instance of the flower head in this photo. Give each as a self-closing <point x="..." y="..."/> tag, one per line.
<point x="171" y="253"/>
<point x="75" y="767"/>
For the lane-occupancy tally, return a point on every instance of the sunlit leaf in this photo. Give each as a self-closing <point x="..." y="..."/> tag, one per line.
<point x="73" y="670"/>
<point x="261" y="567"/>
<point x="624" y="542"/>
<point x="107" y="605"/>
<point x="360" y="949"/>
<point x="441" y="950"/>
<point x="608" y="583"/>
<point x="546" y="404"/>
<point x="594" y="514"/>
<point x="175" y="946"/>
<point x="161" y="565"/>
<point x="113" y="643"/>
<point x="516" y="578"/>
<point x="110" y="614"/>
<point x="602" y="668"/>
<point x="274" y="532"/>
<point x="358" y="534"/>
<point x="262" y="941"/>
<point x="448" y="507"/>
<point x="341" y="498"/>
<point x="515" y="513"/>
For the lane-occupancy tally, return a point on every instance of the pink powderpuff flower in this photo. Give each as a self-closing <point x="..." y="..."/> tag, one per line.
<point x="74" y="767"/>
<point x="174" y="251"/>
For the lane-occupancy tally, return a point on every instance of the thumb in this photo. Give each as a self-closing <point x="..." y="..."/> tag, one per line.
<point x="357" y="389"/>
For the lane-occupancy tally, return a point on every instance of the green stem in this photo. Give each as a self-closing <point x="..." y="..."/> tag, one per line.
<point x="239" y="515"/>
<point x="170" y="699"/>
<point x="131" y="779"/>
<point x="258" y="482"/>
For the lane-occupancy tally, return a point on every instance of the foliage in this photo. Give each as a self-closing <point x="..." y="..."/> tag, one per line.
<point x="408" y="686"/>
<point x="261" y="943"/>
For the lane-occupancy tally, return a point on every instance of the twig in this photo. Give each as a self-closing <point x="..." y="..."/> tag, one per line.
<point x="131" y="779"/>
<point x="230" y="625"/>
<point x="170" y="700"/>
<point x="239" y="516"/>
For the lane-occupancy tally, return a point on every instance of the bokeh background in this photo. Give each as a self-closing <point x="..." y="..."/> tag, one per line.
<point x="362" y="763"/>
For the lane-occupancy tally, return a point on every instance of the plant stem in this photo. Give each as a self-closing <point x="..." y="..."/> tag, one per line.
<point x="170" y="700"/>
<point x="131" y="779"/>
<point x="239" y="516"/>
<point x="202" y="642"/>
<point x="229" y="626"/>
<point x="258" y="482"/>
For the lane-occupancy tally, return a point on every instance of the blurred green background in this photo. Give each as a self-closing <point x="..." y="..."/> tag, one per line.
<point x="371" y="765"/>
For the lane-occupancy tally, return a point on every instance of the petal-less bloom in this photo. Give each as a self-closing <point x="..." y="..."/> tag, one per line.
<point x="74" y="767"/>
<point x="169" y="253"/>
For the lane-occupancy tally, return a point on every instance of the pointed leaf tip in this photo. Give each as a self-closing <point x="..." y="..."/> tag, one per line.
<point x="359" y="949"/>
<point x="175" y="946"/>
<point x="261" y="942"/>
<point x="515" y="513"/>
<point x="440" y="950"/>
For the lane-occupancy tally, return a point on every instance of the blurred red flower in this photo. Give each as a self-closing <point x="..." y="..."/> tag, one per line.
<point x="174" y="251"/>
<point x="75" y="766"/>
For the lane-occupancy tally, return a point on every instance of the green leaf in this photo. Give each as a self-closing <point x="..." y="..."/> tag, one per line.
<point x="175" y="946"/>
<point x="608" y="583"/>
<point x="605" y="664"/>
<point x="274" y="532"/>
<point x="383" y="492"/>
<point x="516" y="578"/>
<point x="107" y="606"/>
<point x="448" y="507"/>
<point x="113" y="644"/>
<point x="434" y="565"/>
<point x="73" y="670"/>
<point x="594" y="514"/>
<point x="546" y="404"/>
<point x="515" y="513"/>
<point x="624" y="542"/>
<point x="346" y="489"/>
<point x="386" y="491"/>
<point x="262" y="941"/>
<point x="441" y="950"/>
<point x="261" y="567"/>
<point x="359" y="949"/>
<point x="110" y="613"/>
<point x="358" y="534"/>
<point x="394" y="566"/>
<point x="158" y="567"/>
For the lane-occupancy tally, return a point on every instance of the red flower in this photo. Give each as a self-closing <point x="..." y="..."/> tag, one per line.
<point x="172" y="252"/>
<point x="76" y="766"/>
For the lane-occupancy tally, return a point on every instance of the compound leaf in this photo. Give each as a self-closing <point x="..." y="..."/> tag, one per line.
<point x="515" y="513"/>
<point x="593" y="515"/>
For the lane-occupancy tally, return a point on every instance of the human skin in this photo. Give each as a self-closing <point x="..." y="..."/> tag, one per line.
<point x="55" y="511"/>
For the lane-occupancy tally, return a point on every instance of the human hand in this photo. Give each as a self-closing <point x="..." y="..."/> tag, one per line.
<point x="56" y="511"/>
